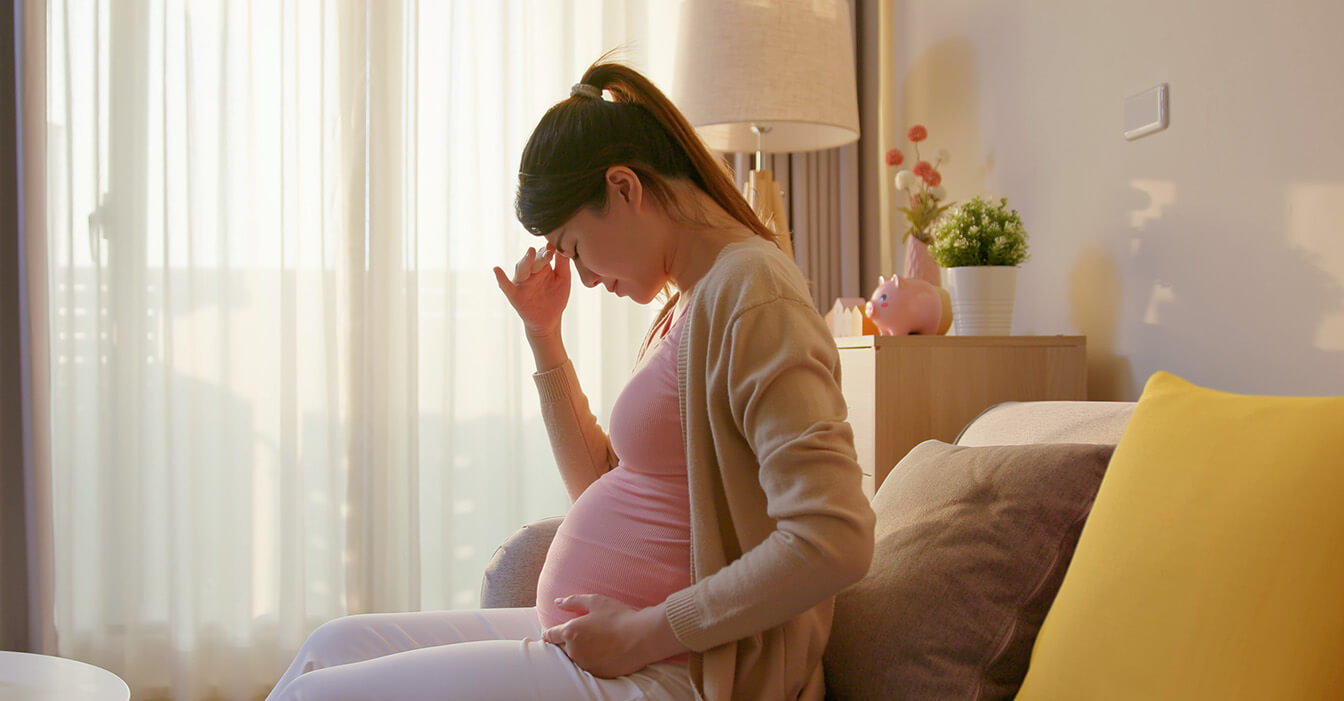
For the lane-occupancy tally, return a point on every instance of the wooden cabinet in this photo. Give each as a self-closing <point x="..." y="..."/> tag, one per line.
<point x="903" y="390"/>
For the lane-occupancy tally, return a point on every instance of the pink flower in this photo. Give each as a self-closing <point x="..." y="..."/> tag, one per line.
<point x="922" y="184"/>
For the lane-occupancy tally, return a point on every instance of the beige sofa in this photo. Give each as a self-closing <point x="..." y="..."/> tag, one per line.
<point x="863" y="643"/>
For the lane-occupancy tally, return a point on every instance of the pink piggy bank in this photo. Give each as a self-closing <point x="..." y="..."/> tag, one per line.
<point x="905" y="305"/>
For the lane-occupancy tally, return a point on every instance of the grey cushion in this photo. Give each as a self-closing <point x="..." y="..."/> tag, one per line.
<point x="972" y="544"/>
<point x="511" y="576"/>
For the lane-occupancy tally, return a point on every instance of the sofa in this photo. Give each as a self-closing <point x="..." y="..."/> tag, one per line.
<point x="1189" y="545"/>
<point x="510" y="579"/>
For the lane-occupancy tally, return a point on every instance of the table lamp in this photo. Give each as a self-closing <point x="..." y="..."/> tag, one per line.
<point x="768" y="76"/>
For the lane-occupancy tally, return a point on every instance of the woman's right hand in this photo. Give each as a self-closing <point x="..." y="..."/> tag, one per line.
<point x="538" y="291"/>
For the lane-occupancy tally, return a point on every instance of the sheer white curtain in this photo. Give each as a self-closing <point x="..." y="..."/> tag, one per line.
<point x="283" y="384"/>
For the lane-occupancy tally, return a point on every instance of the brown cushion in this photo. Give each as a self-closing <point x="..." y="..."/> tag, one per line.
<point x="972" y="544"/>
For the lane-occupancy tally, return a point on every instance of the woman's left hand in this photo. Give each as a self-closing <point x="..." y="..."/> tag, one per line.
<point x="610" y="638"/>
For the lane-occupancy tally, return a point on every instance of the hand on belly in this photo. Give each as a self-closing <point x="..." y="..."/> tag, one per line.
<point x="609" y="638"/>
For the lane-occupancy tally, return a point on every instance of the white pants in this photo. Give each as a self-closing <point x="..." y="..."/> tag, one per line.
<point x="482" y="654"/>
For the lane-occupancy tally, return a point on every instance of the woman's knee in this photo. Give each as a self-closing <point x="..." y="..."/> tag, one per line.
<point x="335" y="641"/>
<point x="307" y="686"/>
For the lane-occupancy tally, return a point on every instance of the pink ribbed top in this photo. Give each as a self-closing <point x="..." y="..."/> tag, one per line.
<point x="628" y="536"/>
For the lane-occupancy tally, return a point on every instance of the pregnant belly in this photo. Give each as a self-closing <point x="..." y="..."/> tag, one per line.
<point x="626" y="537"/>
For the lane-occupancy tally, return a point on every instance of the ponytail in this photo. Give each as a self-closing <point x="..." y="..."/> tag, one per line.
<point x="564" y="164"/>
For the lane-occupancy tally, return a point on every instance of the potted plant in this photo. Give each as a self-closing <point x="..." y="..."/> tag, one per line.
<point x="980" y="244"/>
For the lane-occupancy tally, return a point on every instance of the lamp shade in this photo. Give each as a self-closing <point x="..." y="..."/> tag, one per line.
<point x="783" y="64"/>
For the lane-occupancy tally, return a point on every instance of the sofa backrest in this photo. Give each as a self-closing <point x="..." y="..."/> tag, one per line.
<point x="1017" y="423"/>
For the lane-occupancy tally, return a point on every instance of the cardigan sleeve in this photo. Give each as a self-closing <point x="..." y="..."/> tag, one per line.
<point x="582" y="450"/>
<point x="784" y="400"/>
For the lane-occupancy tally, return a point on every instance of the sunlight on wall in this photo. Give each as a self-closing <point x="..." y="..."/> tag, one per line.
<point x="1158" y="297"/>
<point x="1313" y="224"/>
<point x="1161" y="193"/>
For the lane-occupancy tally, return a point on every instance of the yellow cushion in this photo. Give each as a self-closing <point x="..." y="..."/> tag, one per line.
<point x="1212" y="565"/>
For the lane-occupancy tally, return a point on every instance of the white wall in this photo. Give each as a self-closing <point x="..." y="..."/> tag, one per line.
<point x="1214" y="249"/>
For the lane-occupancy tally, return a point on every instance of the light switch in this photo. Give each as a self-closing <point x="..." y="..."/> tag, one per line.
<point x="1146" y="112"/>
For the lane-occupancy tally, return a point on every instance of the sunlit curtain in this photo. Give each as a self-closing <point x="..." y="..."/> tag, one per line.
<point x="284" y="386"/>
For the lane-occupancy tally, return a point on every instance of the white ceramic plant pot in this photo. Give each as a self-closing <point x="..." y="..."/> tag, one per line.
<point x="982" y="299"/>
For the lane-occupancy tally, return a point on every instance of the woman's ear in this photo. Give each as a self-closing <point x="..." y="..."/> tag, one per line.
<point x="623" y="184"/>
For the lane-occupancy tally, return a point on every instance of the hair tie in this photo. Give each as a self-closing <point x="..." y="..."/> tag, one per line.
<point x="586" y="90"/>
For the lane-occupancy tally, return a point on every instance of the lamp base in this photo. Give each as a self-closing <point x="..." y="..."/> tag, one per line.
<point x="767" y="199"/>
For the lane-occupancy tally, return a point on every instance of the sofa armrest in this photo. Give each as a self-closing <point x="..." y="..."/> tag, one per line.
<point x="510" y="579"/>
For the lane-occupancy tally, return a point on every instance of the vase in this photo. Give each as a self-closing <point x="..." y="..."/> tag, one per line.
<point x="982" y="299"/>
<point x="919" y="263"/>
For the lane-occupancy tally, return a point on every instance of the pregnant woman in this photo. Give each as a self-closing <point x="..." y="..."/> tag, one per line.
<point x="715" y="520"/>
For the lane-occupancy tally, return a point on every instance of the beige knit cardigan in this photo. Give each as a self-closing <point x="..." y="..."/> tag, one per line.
<point x="779" y="521"/>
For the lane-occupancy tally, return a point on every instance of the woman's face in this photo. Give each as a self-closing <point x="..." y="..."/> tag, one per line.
<point x="616" y="248"/>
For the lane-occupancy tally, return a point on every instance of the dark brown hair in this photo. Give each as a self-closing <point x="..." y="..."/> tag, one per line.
<point x="565" y="161"/>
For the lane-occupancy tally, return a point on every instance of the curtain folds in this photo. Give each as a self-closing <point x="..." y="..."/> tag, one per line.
<point x="825" y="205"/>
<point x="34" y="321"/>
<point x="272" y="379"/>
